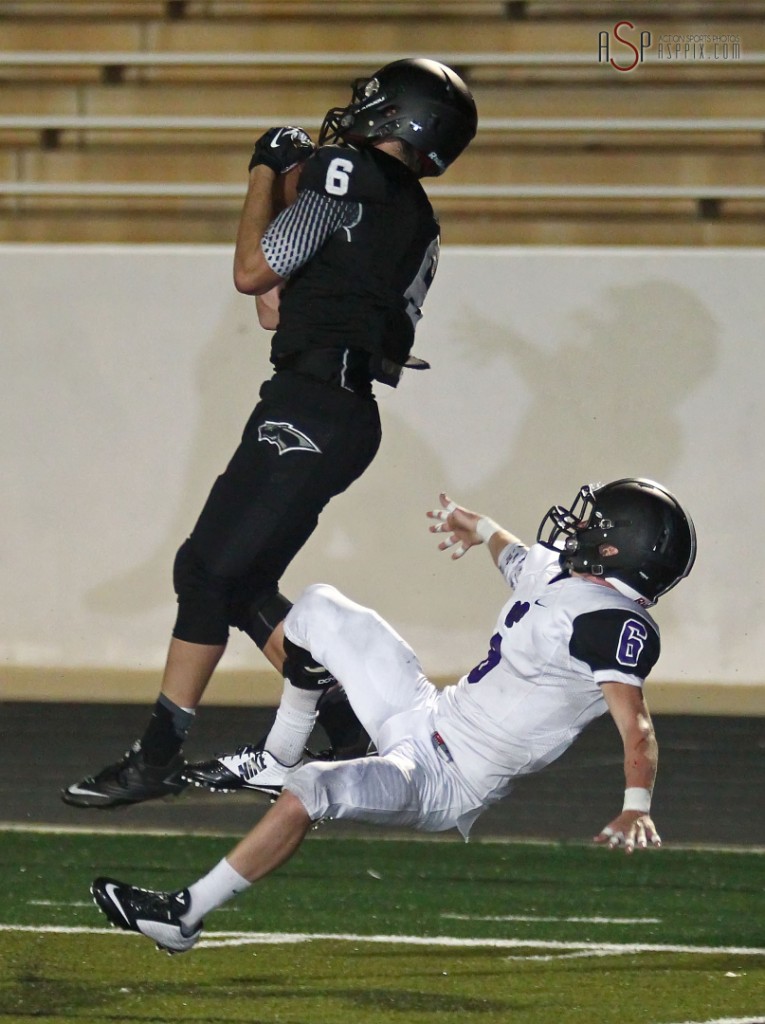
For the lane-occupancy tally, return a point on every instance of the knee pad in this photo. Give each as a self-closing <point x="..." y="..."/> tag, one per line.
<point x="202" y="600"/>
<point x="258" y="612"/>
<point x="302" y="670"/>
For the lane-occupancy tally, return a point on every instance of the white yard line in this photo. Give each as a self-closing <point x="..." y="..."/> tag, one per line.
<point x="392" y="837"/>
<point x="59" y="903"/>
<point x="215" y="939"/>
<point x="557" y="920"/>
<point x="727" y="1020"/>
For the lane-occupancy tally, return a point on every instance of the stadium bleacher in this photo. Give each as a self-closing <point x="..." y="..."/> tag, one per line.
<point x="127" y="121"/>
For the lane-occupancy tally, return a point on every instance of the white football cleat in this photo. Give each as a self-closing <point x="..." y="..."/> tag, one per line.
<point x="249" y="767"/>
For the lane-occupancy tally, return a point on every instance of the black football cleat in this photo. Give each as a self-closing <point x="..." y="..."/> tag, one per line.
<point x="129" y="781"/>
<point x="157" y="915"/>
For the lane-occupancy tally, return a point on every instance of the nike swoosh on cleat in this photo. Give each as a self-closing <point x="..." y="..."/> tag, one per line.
<point x="79" y="791"/>
<point x="315" y="671"/>
<point x="110" y="889"/>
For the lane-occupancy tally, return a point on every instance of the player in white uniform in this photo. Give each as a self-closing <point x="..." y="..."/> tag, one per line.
<point x="573" y="641"/>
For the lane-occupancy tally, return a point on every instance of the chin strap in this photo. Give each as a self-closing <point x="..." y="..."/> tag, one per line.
<point x="628" y="591"/>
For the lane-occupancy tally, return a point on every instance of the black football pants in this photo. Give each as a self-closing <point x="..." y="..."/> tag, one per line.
<point x="305" y="442"/>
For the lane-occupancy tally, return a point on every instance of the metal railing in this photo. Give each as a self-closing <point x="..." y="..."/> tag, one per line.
<point x="216" y="190"/>
<point x="347" y="59"/>
<point x="509" y="125"/>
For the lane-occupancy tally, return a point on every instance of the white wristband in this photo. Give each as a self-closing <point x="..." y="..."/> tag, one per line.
<point x="486" y="528"/>
<point x="637" y="799"/>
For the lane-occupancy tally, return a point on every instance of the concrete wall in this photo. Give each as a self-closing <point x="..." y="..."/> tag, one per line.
<point x="127" y="375"/>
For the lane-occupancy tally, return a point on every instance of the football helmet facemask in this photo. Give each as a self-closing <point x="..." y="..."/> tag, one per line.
<point x="417" y="100"/>
<point x="654" y="536"/>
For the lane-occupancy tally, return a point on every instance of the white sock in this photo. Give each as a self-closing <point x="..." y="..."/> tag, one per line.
<point x="293" y="725"/>
<point x="213" y="890"/>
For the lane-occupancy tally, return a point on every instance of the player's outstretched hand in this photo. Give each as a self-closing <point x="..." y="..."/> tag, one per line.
<point x="281" y="149"/>
<point x="458" y="521"/>
<point x="631" y="831"/>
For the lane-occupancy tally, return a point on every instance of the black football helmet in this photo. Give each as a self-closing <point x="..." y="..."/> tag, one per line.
<point x="654" y="535"/>
<point x="421" y="101"/>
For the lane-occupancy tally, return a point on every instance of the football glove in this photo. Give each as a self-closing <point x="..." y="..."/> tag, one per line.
<point x="281" y="149"/>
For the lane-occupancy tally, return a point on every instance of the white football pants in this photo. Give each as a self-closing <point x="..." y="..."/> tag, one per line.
<point x="413" y="781"/>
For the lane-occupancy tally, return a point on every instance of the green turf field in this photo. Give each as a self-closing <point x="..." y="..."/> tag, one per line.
<point x="368" y="930"/>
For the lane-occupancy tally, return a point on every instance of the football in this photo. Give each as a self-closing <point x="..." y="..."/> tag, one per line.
<point x="286" y="186"/>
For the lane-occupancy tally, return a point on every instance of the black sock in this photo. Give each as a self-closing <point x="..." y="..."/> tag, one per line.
<point x="167" y="729"/>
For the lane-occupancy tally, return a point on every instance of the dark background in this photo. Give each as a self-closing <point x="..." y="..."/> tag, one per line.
<point x="710" y="788"/>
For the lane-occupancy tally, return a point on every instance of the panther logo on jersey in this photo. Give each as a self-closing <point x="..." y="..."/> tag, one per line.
<point x="286" y="437"/>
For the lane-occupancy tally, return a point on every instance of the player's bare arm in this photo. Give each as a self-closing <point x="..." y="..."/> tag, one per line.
<point x="252" y="274"/>
<point x="633" y="828"/>
<point x="468" y="529"/>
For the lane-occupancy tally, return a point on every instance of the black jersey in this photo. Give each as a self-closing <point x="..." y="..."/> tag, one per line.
<point x="363" y="289"/>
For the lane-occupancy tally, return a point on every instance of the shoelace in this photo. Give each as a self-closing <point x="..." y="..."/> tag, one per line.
<point x="115" y="771"/>
<point x="246" y="749"/>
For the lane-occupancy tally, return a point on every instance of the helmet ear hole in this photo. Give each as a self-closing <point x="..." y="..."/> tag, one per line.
<point x="607" y="550"/>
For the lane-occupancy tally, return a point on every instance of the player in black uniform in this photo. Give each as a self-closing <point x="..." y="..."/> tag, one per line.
<point x="341" y="274"/>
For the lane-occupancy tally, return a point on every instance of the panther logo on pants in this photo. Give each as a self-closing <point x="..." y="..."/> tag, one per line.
<point x="286" y="437"/>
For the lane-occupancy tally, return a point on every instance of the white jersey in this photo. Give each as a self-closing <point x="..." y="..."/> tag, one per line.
<point x="445" y="755"/>
<point x="556" y="640"/>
